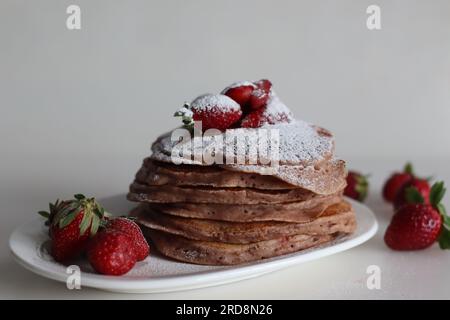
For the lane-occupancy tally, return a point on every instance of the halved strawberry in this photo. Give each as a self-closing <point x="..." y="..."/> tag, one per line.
<point x="261" y="95"/>
<point x="274" y="112"/>
<point x="240" y="92"/>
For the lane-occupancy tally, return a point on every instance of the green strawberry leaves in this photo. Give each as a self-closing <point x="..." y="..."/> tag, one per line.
<point x="44" y="214"/>
<point x="53" y="209"/>
<point x="67" y="219"/>
<point x="441" y="209"/>
<point x="79" y="196"/>
<point x="436" y="195"/>
<point x="85" y="223"/>
<point x="362" y="187"/>
<point x="63" y="213"/>
<point x="409" y="169"/>
<point x="95" y="225"/>
<point x="186" y="115"/>
<point x="413" y="195"/>
<point x="99" y="211"/>
<point x="444" y="237"/>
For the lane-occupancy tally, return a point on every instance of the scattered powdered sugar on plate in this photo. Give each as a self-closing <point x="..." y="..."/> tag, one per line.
<point x="207" y="102"/>
<point x="238" y="84"/>
<point x="157" y="265"/>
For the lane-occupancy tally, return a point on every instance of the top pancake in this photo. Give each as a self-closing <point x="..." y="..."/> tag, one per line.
<point x="302" y="148"/>
<point x="300" y="143"/>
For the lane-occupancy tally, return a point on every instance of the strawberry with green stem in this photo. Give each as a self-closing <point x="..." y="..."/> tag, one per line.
<point x="417" y="225"/>
<point x="357" y="186"/>
<point x="420" y="185"/>
<point x="396" y="181"/>
<point x="71" y="224"/>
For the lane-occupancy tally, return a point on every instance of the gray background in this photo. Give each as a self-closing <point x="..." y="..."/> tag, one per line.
<point x="113" y="86"/>
<point x="79" y="109"/>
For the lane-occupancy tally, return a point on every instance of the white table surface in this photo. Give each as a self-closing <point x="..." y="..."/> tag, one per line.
<point x="27" y="185"/>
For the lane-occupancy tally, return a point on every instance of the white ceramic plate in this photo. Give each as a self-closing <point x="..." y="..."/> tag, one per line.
<point x="29" y="242"/>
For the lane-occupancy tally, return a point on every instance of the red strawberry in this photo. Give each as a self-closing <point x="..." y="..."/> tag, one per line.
<point x="357" y="186"/>
<point x="215" y="111"/>
<point x="260" y="96"/>
<point x="418" y="225"/>
<point x="396" y="181"/>
<point x="413" y="227"/>
<point x="71" y="224"/>
<point x="111" y="252"/>
<point x="130" y="228"/>
<point x="421" y="185"/>
<point x="275" y="112"/>
<point x="240" y="92"/>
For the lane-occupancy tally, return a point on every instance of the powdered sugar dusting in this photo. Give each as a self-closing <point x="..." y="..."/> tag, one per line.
<point x="258" y="93"/>
<point x="207" y="102"/>
<point x="276" y="111"/>
<point x="275" y="105"/>
<point x="300" y="144"/>
<point x="238" y="84"/>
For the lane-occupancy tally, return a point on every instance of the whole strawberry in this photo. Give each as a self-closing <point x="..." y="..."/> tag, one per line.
<point x="421" y="185"/>
<point x="418" y="225"/>
<point x="396" y="181"/>
<point x="215" y="111"/>
<point x="71" y="224"/>
<point x="131" y="229"/>
<point x="111" y="252"/>
<point x="240" y="92"/>
<point x="357" y="186"/>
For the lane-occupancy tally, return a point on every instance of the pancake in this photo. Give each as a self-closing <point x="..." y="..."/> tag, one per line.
<point x="322" y="178"/>
<point x="156" y="173"/>
<point x="216" y="253"/>
<point x="337" y="218"/>
<point x="326" y="178"/>
<point x="173" y="194"/>
<point x="301" y="146"/>
<point x="302" y="211"/>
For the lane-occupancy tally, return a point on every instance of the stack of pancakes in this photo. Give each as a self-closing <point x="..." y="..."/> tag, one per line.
<point x="232" y="214"/>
